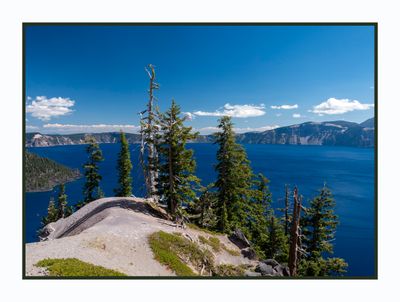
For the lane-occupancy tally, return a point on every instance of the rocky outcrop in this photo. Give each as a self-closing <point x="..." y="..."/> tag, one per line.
<point x="91" y="214"/>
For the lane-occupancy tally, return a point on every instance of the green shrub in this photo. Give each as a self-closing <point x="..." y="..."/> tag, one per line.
<point x="229" y="270"/>
<point x="72" y="267"/>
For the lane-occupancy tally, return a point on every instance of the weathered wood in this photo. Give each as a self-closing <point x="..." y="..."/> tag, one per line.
<point x="294" y="248"/>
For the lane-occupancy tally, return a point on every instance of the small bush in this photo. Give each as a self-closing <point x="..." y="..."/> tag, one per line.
<point x="211" y="241"/>
<point x="72" y="267"/>
<point x="229" y="270"/>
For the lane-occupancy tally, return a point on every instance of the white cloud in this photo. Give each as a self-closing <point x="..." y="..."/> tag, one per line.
<point x="209" y="130"/>
<point x="68" y="128"/>
<point x="189" y="116"/>
<point x="31" y="128"/>
<point x="285" y="107"/>
<point x="241" y="111"/>
<point x="339" y="106"/>
<point x="45" y="109"/>
<point x="297" y="115"/>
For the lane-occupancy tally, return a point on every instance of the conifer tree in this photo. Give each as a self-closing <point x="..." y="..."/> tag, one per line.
<point x="62" y="208"/>
<point x="233" y="178"/>
<point x="93" y="178"/>
<point x="176" y="179"/>
<point x="258" y="212"/>
<point x="277" y="243"/>
<point x="52" y="213"/>
<point x="124" y="168"/>
<point x="319" y="226"/>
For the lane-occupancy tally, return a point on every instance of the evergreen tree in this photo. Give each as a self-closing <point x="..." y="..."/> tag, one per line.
<point x="258" y="211"/>
<point x="52" y="213"/>
<point x="62" y="202"/>
<point x="124" y="168"/>
<point x="277" y="243"/>
<point x="319" y="226"/>
<point x="176" y="179"/>
<point x="202" y="210"/>
<point x="233" y="178"/>
<point x="93" y="178"/>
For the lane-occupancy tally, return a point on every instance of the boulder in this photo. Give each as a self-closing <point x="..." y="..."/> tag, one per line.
<point x="249" y="253"/>
<point x="271" y="262"/>
<point x="265" y="269"/>
<point x="252" y="274"/>
<point x="238" y="238"/>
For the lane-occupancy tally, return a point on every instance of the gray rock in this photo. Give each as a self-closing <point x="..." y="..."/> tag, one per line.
<point x="249" y="253"/>
<point x="252" y="274"/>
<point x="238" y="238"/>
<point x="271" y="262"/>
<point x="265" y="269"/>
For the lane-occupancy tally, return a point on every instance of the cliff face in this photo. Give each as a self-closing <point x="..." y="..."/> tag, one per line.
<point x="335" y="133"/>
<point x="46" y="140"/>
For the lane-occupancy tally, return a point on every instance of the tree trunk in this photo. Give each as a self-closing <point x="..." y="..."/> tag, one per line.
<point x="294" y="234"/>
<point x="286" y="210"/>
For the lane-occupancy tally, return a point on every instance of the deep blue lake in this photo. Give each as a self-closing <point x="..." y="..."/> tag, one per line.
<point x="348" y="172"/>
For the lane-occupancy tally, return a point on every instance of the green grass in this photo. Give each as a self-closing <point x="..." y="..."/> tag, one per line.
<point x="211" y="241"/>
<point x="229" y="270"/>
<point x="197" y="228"/>
<point x="232" y="252"/>
<point x="177" y="252"/>
<point x="72" y="267"/>
<point x="217" y="246"/>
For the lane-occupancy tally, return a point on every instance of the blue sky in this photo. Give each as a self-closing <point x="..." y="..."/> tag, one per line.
<point x="92" y="78"/>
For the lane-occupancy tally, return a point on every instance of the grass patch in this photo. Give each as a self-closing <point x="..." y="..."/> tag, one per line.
<point x="211" y="241"/>
<point x="231" y="252"/>
<point x="229" y="270"/>
<point x="197" y="228"/>
<point x="72" y="267"/>
<point x="177" y="252"/>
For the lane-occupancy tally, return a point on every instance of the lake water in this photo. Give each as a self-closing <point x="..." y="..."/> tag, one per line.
<point x="348" y="172"/>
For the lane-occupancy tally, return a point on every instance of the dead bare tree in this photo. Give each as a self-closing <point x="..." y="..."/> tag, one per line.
<point x="295" y="241"/>
<point x="286" y="210"/>
<point x="148" y="131"/>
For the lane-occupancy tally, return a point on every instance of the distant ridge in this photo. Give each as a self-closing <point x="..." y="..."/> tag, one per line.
<point x="333" y="133"/>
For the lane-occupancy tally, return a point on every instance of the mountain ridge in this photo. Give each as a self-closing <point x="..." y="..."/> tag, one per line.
<point x="330" y="133"/>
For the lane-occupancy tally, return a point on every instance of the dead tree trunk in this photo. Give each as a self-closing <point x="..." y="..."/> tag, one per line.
<point x="286" y="210"/>
<point x="148" y="137"/>
<point x="295" y="234"/>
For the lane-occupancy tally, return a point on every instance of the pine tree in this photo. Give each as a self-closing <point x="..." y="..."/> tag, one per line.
<point x="124" y="168"/>
<point x="93" y="178"/>
<point x="52" y="213"/>
<point x="62" y="202"/>
<point x="319" y="226"/>
<point x="176" y="179"/>
<point x="233" y="179"/>
<point x="277" y="243"/>
<point x="258" y="210"/>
